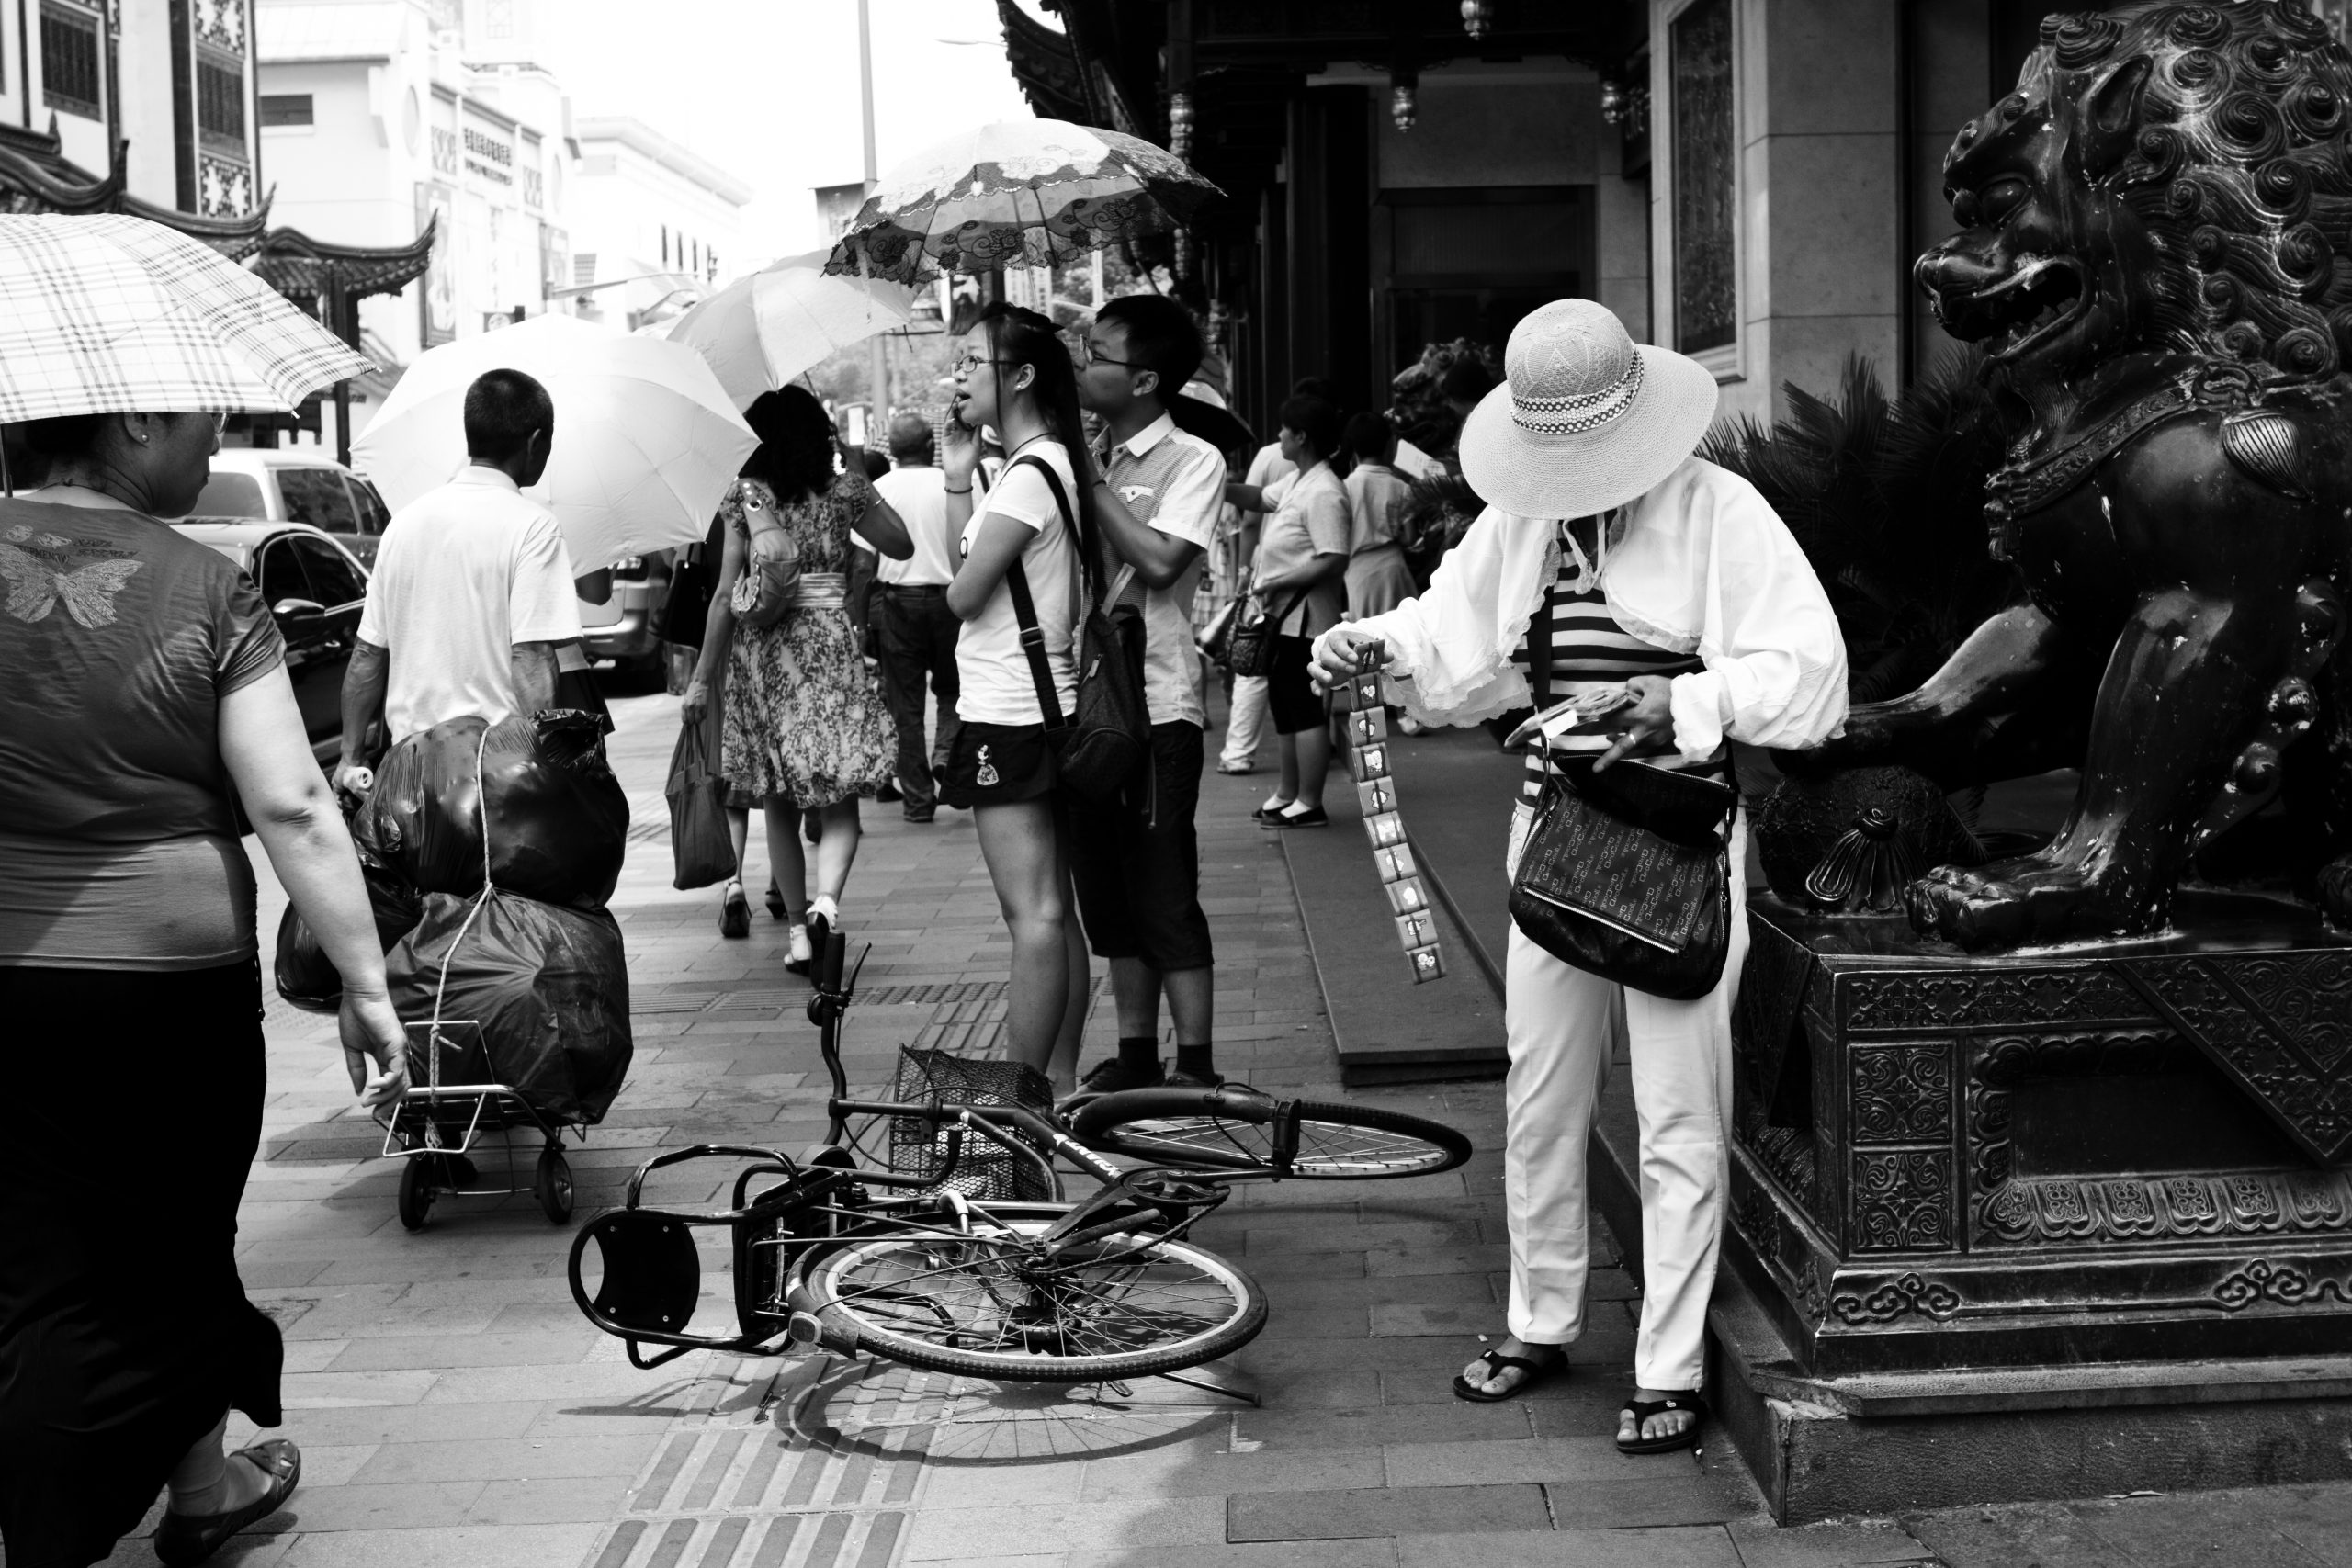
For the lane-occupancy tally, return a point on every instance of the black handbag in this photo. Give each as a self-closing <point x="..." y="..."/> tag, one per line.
<point x="1098" y="748"/>
<point x="693" y="578"/>
<point x="1250" y="649"/>
<point x="1626" y="872"/>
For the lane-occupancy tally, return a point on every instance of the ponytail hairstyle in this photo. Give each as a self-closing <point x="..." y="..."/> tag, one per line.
<point x="1018" y="337"/>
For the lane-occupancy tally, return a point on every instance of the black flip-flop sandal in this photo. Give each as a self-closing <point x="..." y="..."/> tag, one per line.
<point x="1536" y="1372"/>
<point x="1643" y="1409"/>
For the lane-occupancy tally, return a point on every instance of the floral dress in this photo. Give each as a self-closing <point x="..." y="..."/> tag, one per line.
<point x="803" y="718"/>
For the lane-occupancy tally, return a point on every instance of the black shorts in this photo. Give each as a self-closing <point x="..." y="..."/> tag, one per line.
<point x="996" y="764"/>
<point x="1139" y="881"/>
<point x="1296" y="701"/>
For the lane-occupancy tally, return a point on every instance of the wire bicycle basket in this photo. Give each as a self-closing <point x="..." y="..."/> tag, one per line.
<point x="975" y="1169"/>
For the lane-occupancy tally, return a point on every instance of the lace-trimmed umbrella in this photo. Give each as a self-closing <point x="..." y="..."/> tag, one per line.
<point x="113" y="314"/>
<point x="1018" y="193"/>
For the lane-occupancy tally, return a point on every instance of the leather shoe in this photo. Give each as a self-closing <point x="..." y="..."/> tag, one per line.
<point x="191" y="1538"/>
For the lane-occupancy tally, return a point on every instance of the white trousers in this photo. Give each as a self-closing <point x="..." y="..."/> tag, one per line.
<point x="1564" y="1028"/>
<point x="1245" y="725"/>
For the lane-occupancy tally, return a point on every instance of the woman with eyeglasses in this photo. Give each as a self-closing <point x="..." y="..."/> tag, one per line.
<point x="146" y="700"/>
<point x="1023" y="539"/>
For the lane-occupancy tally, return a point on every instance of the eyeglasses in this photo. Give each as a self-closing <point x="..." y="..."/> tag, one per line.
<point x="966" y="362"/>
<point x="1091" y="360"/>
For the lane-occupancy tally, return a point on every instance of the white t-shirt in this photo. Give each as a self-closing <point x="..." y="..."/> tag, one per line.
<point x="919" y="495"/>
<point x="991" y="669"/>
<point x="1173" y="482"/>
<point x="464" y="573"/>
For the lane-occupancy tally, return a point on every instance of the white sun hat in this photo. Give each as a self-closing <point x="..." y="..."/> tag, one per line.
<point x="1586" y="419"/>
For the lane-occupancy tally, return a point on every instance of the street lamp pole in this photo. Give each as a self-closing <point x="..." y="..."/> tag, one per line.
<point x="878" y="364"/>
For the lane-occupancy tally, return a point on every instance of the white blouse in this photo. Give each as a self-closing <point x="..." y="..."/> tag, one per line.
<point x="1699" y="564"/>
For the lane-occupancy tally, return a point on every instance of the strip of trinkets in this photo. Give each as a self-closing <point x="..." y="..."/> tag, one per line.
<point x="1392" y="855"/>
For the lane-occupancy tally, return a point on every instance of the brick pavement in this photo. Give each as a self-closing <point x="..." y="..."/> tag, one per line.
<point x="454" y="1410"/>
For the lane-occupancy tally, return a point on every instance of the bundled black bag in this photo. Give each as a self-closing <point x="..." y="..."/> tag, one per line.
<point x="1100" y="747"/>
<point x="305" y="976"/>
<point x="549" y="985"/>
<point x="559" y="818"/>
<point x="1250" y="650"/>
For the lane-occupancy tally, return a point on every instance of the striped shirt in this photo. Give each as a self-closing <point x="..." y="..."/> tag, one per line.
<point x="1589" y="650"/>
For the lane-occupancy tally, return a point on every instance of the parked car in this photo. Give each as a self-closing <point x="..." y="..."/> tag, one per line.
<point x="315" y="589"/>
<point x="623" y="628"/>
<point x="290" y="484"/>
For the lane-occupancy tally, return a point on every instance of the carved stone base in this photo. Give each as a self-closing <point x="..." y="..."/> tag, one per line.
<point x="2129" y="1152"/>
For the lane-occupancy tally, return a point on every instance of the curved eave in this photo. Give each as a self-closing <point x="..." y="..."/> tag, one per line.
<point x="60" y="186"/>
<point x="301" y="267"/>
<point x="235" y="238"/>
<point x="1043" y="64"/>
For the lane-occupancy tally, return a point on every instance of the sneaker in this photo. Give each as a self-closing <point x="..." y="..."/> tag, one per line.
<point x="1315" y="818"/>
<point x="921" y="813"/>
<point x="1177" y="1077"/>
<point x="1236" y="767"/>
<point x="1111" y="1075"/>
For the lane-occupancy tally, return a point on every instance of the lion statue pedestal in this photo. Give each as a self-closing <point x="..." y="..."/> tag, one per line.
<point x="2039" y="1182"/>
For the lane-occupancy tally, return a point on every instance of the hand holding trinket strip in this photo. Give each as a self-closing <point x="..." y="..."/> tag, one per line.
<point x="1392" y="856"/>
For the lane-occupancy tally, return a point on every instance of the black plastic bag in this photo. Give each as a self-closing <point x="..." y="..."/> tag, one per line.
<point x="548" y="985"/>
<point x="305" y="976"/>
<point x="702" y="847"/>
<point x="559" y="820"/>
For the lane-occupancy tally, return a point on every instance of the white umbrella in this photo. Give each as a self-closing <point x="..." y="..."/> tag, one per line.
<point x="646" y="439"/>
<point x="759" y="332"/>
<point x="110" y="314"/>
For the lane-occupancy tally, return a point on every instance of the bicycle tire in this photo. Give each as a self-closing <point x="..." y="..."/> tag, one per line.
<point x="1234" y="1305"/>
<point x="1222" y="1130"/>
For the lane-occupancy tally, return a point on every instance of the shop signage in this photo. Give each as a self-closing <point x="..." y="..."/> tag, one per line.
<point x="488" y="156"/>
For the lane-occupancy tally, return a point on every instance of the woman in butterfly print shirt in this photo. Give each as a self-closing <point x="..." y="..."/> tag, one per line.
<point x="146" y="682"/>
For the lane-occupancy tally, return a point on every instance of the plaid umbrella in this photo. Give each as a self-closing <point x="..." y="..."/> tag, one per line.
<point x="1021" y="192"/>
<point x="111" y="314"/>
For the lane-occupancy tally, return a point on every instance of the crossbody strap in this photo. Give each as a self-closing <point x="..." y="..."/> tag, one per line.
<point x="1024" y="607"/>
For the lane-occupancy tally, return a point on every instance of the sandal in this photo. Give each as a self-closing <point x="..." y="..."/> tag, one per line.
<point x="776" y="910"/>
<point x="1641" y="1410"/>
<point x="1536" y="1372"/>
<point x="184" y="1539"/>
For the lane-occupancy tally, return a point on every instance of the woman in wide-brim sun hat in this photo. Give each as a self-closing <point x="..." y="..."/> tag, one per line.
<point x="1652" y="569"/>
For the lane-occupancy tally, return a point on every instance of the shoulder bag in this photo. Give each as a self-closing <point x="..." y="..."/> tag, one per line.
<point x="1100" y="747"/>
<point x="1627" y="871"/>
<point x="1250" y="650"/>
<point x="771" y="576"/>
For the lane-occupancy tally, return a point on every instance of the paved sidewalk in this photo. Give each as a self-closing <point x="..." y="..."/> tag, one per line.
<point x="455" y="1409"/>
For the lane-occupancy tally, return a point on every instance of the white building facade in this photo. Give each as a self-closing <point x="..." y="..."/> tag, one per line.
<point x="170" y="83"/>
<point x="656" y="226"/>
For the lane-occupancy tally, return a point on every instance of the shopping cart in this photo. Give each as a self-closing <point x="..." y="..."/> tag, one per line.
<point x="440" y="1121"/>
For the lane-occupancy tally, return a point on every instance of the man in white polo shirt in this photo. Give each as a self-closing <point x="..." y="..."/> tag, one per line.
<point x="473" y="607"/>
<point x="1137" y="867"/>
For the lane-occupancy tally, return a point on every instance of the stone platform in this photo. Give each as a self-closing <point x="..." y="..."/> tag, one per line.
<point x="2051" y="1223"/>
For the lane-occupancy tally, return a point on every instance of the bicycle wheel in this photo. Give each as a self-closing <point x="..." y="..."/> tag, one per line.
<point x="1224" y="1130"/>
<point x="992" y="1305"/>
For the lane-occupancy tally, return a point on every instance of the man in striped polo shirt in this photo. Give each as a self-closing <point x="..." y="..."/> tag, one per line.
<point x="1137" y="867"/>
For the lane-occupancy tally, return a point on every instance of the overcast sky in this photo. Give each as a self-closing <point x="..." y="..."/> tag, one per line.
<point x="768" y="89"/>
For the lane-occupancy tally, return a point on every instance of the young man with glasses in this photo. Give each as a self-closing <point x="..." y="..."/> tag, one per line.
<point x="1137" y="867"/>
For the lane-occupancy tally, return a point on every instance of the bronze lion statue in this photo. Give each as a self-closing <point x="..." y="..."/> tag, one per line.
<point x="2156" y="255"/>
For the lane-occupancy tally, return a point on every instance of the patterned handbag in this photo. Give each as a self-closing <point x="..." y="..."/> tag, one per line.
<point x="770" y="582"/>
<point x="1627" y="875"/>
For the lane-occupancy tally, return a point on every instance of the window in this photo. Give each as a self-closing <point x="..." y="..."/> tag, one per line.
<point x="281" y="574"/>
<point x="68" y="60"/>
<point x="584" y="269"/>
<point x="373" y="512"/>
<point x="316" y="496"/>
<point x="221" y="102"/>
<point x="335" y="582"/>
<point x="294" y="109"/>
<point x="231" y="495"/>
<point x="1706" y="294"/>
